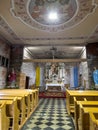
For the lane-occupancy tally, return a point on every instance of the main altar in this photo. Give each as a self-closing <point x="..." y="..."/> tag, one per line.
<point x="54" y="74"/>
<point x="55" y="87"/>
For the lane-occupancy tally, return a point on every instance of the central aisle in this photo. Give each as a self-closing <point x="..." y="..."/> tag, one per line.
<point x="51" y="114"/>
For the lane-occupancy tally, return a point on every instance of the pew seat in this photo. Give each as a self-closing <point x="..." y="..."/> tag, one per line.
<point x="12" y="113"/>
<point x="84" y="104"/>
<point x="21" y="106"/>
<point x="81" y="94"/>
<point x="26" y="106"/>
<point x="84" y="119"/>
<point x="93" y="121"/>
<point x="4" y="120"/>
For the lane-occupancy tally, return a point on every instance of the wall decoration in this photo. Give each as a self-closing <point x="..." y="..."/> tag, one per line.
<point x="37" y="76"/>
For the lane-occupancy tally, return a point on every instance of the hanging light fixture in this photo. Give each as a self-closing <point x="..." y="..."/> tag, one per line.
<point x="53" y="49"/>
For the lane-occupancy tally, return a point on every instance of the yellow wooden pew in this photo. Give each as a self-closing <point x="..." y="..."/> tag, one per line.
<point x="70" y="94"/>
<point x="4" y="121"/>
<point x="31" y="100"/>
<point x="84" y="119"/>
<point x="19" y="94"/>
<point x="76" y="109"/>
<point x="12" y="112"/>
<point x="34" y="95"/>
<point x="84" y="104"/>
<point x="93" y="121"/>
<point x="21" y="106"/>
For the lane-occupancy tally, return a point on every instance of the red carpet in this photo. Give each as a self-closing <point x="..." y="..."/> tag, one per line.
<point x="52" y="95"/>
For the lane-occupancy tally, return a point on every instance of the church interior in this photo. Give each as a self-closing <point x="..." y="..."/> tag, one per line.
<point x="48" y="64"/>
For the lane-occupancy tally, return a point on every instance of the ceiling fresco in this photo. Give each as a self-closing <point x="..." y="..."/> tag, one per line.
<point x="68" y="25"/>
<point x="34" y="13"/>
<point x="41" y="10"/>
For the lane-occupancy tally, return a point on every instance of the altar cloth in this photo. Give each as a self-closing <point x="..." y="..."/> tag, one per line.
<point x="55" y="84"/>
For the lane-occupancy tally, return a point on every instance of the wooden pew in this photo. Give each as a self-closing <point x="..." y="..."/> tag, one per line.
<point x="76" y="109"/>
<point x="89" y="95"/>
<point x="4" y="121"/>
<point x="84" y="119"/>
<point x="34" y="95"/>
<point x="21" y="106"/>
<point x="93" y="121"/>
<point x="12" y="113"/>
<point x="26" y="114"/>
<point x="84" y="104"/>
<point x="18" y="94"/>
<point x="31" y="102"/>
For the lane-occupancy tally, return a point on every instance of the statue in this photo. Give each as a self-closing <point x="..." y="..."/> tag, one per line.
<point x="95" y="76"/>
<point x="12" y="78"/>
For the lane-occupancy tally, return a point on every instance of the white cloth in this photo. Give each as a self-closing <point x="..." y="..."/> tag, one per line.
<point x="51" y="84"/>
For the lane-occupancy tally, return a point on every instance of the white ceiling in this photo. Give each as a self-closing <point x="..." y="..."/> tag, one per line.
<point x="25" y="22"/>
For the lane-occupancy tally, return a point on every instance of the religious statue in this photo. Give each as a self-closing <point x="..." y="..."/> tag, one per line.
<point x="12" y="78"/>
<point x="95" y="76"/>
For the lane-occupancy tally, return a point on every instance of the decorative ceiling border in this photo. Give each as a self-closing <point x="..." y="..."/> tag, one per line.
<point x="93" y="35"/>
<point x="6" y="27"/>
<point x="59" y="38"/>
<point x="20" y="10"/>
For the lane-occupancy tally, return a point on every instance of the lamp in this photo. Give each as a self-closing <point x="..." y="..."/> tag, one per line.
<point x="53" y="49"/>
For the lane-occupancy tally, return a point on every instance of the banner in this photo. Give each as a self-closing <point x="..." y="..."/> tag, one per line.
<point x="75" y="76"/>
<point x="38" y="76"/>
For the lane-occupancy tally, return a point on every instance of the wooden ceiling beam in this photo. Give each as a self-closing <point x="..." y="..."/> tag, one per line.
<point x="55" y="60"/>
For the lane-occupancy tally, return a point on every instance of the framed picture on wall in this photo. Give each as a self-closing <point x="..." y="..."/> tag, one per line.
<point x="3" y="61"/>
<point x="0" y="59"/>
<point x="7" y="62"/>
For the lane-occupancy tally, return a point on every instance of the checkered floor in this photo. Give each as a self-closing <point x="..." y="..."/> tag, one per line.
<point x="51" y="114"/>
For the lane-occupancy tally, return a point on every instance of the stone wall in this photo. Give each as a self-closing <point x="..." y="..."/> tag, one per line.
<point x="16" y="58"/>
<point x="83" y="70"/>
<point x="92" y="56"/>
<point x="4" y="62"/>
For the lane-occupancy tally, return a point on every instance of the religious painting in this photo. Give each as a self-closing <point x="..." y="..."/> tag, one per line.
<point x="52" y="12"/>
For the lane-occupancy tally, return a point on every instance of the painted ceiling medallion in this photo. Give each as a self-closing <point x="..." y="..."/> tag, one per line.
<point x="52" y="12"/>
<point x="52" y="15"/>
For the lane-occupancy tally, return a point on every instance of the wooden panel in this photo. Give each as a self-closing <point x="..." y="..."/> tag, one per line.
<point x="55" y="60"/>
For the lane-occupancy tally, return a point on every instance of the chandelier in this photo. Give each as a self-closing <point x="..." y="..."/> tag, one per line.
<point x="53" y="50"/>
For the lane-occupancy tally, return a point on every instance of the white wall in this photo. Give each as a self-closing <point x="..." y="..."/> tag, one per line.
<point x="29" y="68"/>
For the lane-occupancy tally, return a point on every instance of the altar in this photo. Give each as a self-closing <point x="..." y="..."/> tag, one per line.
<point x="54" y="74"/>
<point x="55" y="86"/>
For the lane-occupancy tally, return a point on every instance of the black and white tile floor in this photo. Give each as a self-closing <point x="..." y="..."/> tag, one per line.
<point x="51" y="114"/>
